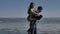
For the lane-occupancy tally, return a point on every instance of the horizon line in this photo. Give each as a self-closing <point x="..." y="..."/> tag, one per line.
<point x="26" y="17"/>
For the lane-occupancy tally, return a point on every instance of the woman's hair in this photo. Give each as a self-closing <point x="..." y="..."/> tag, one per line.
<point x="30" y="6"/>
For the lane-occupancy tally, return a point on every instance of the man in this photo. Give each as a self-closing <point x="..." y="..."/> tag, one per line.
<point x="34" y="18"/>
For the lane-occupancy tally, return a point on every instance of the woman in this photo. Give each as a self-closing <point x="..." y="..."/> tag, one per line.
<point x="31" y="13"/>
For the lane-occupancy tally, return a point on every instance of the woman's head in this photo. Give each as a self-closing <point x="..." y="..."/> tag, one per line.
<point x="31" y="5"/>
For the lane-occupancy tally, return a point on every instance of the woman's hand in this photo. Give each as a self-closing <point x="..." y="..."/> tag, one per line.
<point x="37" y="14"/>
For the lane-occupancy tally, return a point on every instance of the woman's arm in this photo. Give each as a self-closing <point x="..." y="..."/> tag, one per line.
<point x="33" y="11"/>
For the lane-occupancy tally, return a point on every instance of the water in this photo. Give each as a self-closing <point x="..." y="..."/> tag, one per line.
<point x="21" y="25"/>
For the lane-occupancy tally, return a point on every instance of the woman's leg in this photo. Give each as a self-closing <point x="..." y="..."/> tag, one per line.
<point x="30" y="30"/>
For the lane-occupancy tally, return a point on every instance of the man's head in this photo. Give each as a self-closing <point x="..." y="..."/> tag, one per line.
<point x="39" y="9"/>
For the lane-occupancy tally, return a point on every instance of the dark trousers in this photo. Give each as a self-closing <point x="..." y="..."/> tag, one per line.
<point x="32" y="29"/>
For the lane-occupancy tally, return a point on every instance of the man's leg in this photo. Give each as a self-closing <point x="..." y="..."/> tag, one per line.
<point x="35" y="31"/>
<point x="35" y="27"/>
<point x="32" y="29"/>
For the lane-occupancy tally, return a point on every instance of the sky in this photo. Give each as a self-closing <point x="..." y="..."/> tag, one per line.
<point x="18" y="8"/>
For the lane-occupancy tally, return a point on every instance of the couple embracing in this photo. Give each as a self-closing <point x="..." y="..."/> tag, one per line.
<point x="33" y="16"/>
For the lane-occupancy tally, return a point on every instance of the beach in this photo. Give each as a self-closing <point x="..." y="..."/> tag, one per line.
<point x="21" y="27"/>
